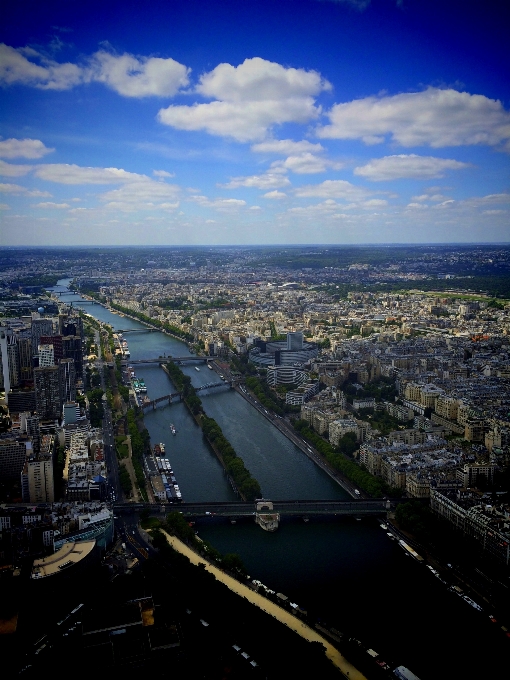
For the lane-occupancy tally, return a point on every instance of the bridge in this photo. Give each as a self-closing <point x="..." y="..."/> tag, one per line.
<point x="164" y="360"/>
<point x="299" y="508"/>
<point x="168" y="397"/>
<point x="65" y="292"/>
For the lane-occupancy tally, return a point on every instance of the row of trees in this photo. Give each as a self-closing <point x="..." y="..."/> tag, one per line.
<point x="363" y="479"/>
<point x="176" y="525"/>
<point x="183" y="384"/>
<point x="247" y="485"/>
<point x="139" y="442"/>
<point x="268" y="398"/>
<point x="163" y="325"/>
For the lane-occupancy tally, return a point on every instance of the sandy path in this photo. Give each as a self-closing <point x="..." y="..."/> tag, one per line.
<point x="271" y="608"/>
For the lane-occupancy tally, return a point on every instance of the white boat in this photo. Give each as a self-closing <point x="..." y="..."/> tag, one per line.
<point x="196" y="368"/>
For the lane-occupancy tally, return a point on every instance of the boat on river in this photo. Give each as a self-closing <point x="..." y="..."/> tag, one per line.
<point x="268" y="522"/>
<point x="172" y="429"/>
<point x="196" y="368"/>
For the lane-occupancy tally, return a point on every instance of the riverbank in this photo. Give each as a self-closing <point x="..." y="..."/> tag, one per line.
<point x="283" y="616"/>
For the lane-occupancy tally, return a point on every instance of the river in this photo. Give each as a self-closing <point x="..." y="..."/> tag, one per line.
<point x="347" y="572"/>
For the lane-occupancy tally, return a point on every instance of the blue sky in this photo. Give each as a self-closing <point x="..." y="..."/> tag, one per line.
<point x="253" y="122"/>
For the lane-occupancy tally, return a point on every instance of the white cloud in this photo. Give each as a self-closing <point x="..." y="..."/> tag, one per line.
<point x="417" y="206"/>
<point x="49" y="204"/>
<point x="249" y="100"/>
<point x="434" y="118"/>
<point x="7" y="188"/>
<point x="433" y="197"/>
<point x="305" y="164"/>
<point x="145" y="194"/>
<point x="163" y="173"/>
<point x="139" y="77"/>
<point x="275" y="195"/>
<point x="270" y="180"/>
<point x="409" y="166"/>
<point x="41" y="72"/>
<point x="255" y="207"/>
<point x="375" y="203"/>
<point x="23" y="148"/>
<point x="75" y="174"/>
<point x="127" y="74"/>
<point x="11" y="170"/>
<point x="494" y="212"/>
<point x="223" y="204"/>
<point x="4" y="206"/>
<point x="332" y="188"/>
<point x="286" y="147"/>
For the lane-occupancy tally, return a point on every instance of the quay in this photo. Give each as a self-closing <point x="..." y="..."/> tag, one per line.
<point x="282" y="615"/>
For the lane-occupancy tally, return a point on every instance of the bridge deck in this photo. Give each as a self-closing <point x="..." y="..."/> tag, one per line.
<point x="289" y="508"/>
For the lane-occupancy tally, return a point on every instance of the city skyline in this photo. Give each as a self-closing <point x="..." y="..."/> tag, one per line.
<point x="351" y="122"/>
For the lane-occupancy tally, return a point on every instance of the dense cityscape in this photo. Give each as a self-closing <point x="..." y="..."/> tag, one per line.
<point x="387" y="368"/>
<point x="255" y="339"/>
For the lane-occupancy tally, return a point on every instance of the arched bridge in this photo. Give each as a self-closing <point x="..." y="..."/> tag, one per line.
<point x="164" y="360"/>
<point x="168" y="397"/>
<point x="299" y="508"/>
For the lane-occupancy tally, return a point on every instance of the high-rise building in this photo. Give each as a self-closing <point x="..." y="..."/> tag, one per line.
<point x="37" y="480"/>
<point x="47" y="392"/>
<point x="56" y="341"/>
<point x="46" y="356"/>
<point x="29" y="424"/>
<point x="13" y="454"/>
<point x="40" y="327"/>
<point x="25" y="358"/>
<point x="73" y="349"/>
<point x="294" y="341"/>
<point x="67" y="380"/>
<point x="70" y="324"/>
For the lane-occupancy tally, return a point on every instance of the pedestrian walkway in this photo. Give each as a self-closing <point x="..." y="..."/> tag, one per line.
<point x="271" y="608"/>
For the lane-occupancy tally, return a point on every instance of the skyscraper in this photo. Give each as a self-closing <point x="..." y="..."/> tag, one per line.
<point x="46" y="356"/>
<point x="72" y="348"/>
<point x="47" y="392"/>
<point x="67" y="380"/>
<point x="40" y="327"/>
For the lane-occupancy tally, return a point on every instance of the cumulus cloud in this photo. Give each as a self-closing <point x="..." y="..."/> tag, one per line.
<point x="332" y="188"/>
<point x="23" y="148"/>
<point x="26" y="66"/>
<point x="270" y="180"/>
<point x="275" y="195"/>
<point x="139" y="77"/>
<point x="305" y="164"/>
<point x="222" y="204"/>
<point x="286" y="147"/>
<point x="435" y="118"/>
<point x="76" y="174"/>
<point x="128" y="75"/>
<point x="144" y="194"/>
<point x="49" y="204"/>
<point x="249" y="100"/>
<point x="163" y="173"/>
<point x="11" y="170"/>
<point x="407" y="166"/>
<point x="8" y="188"/>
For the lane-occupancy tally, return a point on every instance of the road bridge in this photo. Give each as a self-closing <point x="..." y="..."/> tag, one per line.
<point x="169" y="397"/>
<point x="164" y="360"/>
<point x="299" y="508"/>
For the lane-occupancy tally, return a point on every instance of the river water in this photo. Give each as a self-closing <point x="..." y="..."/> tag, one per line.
<point x="347" y="572"/>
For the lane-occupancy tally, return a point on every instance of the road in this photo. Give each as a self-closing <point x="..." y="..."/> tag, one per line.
<point x="282" y="615"/>
<point x="286" y="428"/>
<point x="112" y="465"/>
